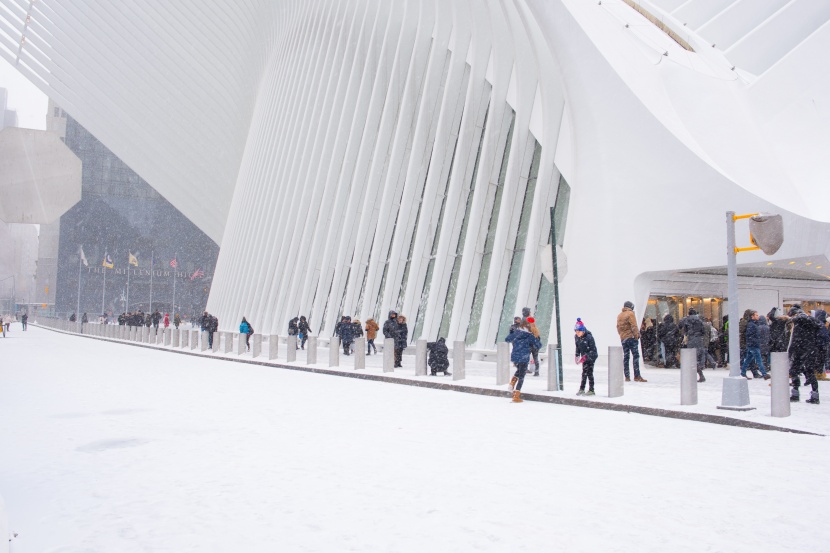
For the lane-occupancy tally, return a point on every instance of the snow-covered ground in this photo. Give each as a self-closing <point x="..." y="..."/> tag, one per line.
<point x="106" y="447"/>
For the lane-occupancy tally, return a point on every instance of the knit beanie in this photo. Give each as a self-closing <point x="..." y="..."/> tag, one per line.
<point x="579" y="325"/>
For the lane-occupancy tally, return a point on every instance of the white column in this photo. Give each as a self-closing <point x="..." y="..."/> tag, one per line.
<point x="688" y="376"/>
<point x="616" y="376"/>
<point x="185" y="338"/>
<point x="167" y="336"/>
<point x="780" y="393"/>
<point x="553" y="369"/>
<point x="203" y="343"/>
<point x="273" y="346"/>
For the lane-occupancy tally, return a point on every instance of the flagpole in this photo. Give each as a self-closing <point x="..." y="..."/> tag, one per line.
<point x="152" y="254"/>
<point x="80" y="260"/>
<point x="174" y="282"/>
<point x="104" y="292"/>
<point x="127" y="306"/>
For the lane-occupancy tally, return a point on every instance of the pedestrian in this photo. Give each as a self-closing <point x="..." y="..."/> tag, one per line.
<point x="804" y="352"/>
<point x="72" y="318"/>
<point x="156" y="319"/>
<point x="647" y="340"/>
<point x="24" y="320"/>
<point x="778" y="339"/>
<point x="522" y="339"/>
<point x="823" y="344"/>
<point x="303" y="329"/>
<point x="586" y="355"/>
<point x="371" y="333"/>
<point x="742" y="335"/>
<point x="246" y="329"/>
<point x="84" y="318"/>
<point x="346" y="335"/>
<point x="401" y="340"/>
<point x="669" y="337"/>
<point x="517" y="321"/>
<point x="293" y="328"/>
<point x="764" y="339"/>
<point x="390" y="330"/>
<point x="213" y="326"/>
<point x="177" y="320"/>
<point x="752" y="340"/>
<point x="166" y="320"/>
<point x="204" y="321"/>
<point x="534" y="351"/>
<point x="630" y="339"/>
<point x="438" y="360"/>
<point x="695" y="331"/>
<point x="357" y="331"/>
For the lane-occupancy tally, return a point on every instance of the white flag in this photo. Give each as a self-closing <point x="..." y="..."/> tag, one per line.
<point x="83" y="257"/>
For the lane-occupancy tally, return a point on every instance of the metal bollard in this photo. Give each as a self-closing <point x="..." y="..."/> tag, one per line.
<point x="311" y="351"/>
<point x="553" y="369"/>
<point x="360" y="353"/>
<point x="421" y="358"/>
<point x="502" y="363"/>
<point x="780" y="393"/>
<point x="688" y="376"/>
<point x="256" y="348"/>
<point x="291" y="349"/>
<point x="273" y="346"/>
<point x="459" y="362"/>
<point x="334" y="352"/>
<point x="616" y="376"/>
<point x="388" y="355"/>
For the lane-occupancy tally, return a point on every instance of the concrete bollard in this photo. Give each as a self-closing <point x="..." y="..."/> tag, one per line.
<point x="131" y="334"/>
<point x="217" y="341"/>
<point x="334" y="352"/>
<point x="175" y="337"/>
<point x="360" y="353"/>
<point x="780" y="393"/>
<point x="421" y="358"/>
<point x="311" y="351"/>
<point x="256" y="345"/>
<point x="502" y="363"/>
<point x="616" y="375"/>
<point x="159" y="336"/>
<point x="194" y="339"/>
<point x="688" y="376"/>
<point x="227" y="338"/>
<point x="459" y="362"/>
<point x="241" y="347"/>
<point x="553" y="369"/>
<point x="145" y="334"/>
<point x="291" y="349"/>
<point x="273" y="346"/>
<point x="203" y="343"/>
<point x="168" y="336"/>
<point x="388" y="355"/>
<point x="184" y="339"/>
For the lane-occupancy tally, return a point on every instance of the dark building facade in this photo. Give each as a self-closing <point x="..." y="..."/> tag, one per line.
<point x="120" y="215"/>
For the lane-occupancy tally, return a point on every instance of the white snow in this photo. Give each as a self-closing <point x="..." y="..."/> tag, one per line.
<point x="106" y="447"/>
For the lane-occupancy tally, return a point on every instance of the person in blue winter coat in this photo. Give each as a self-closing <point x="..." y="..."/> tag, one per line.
<point x="523" y="342"/>
<point x="586" y="353"/>
<point x="753" y="346"/>
<point x="246" y="329"/>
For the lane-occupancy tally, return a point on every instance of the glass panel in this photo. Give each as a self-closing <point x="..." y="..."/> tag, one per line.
<point x="560" y="210"/>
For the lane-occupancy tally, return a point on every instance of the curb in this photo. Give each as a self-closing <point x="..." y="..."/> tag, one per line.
<point x="650" y="411"/>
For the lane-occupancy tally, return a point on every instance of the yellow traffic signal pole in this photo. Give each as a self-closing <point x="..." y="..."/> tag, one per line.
<point x="735" y="395"/>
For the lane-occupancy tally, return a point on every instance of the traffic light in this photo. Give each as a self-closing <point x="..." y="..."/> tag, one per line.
<point x="767" y="232"/>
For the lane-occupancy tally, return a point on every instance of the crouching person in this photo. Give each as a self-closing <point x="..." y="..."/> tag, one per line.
<point x="438" y="360"/>
<point x="586" y="353"/>
<point x="523" y="341"/>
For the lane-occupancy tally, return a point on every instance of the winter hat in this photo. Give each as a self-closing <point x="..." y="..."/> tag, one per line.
<point x="525" y="312"/>
<point x="579" y="326"/>
<point x="794" y="309"/>
<point x="692" y="312"/>
<point x="629" y="305"/>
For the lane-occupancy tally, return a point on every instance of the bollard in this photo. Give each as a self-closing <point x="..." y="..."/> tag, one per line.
<point x="334" y="352"/>
<point x="145" y="334"/>
<point x="167" y="336"/>
<point x="688" y="376"/>
<point x="217" y="341"/>
<point x="780" y="393"/>
<point x="159" y="336"/>
<point x="616" y="376"/>
<point x="203" y="343"/>
<point x="458" y="361"/>
<point x="131" y="335"/>
<point x="273" y="346"/>
<point x="175" y="337"/>
<point x="360" y="353"/>
<point x="502" y="363"/>
<point x="421" y="358"/>
<point x="228" y="341"/>
<point x="241" y="347"/>
<point x="388" y="355"/>
<point x="194" y="339"/>
<point x="553" y="369"/>
<point x="184" y="339"/>
<point x="311" y="351"/>
<point x="256" y="347"/>
<point x="291" y="349"/>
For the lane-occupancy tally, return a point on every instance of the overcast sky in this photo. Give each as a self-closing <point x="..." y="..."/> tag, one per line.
<point x="29" y="102"/>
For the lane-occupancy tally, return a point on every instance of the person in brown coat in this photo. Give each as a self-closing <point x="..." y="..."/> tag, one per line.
<point x="629" y="332"/>
<point x="371" y="333"/>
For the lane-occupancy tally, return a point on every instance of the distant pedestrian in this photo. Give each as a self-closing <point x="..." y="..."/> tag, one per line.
<point x="371" y="333"/>
<point x="823" y="343"/>
<point x="390" y="330"/>
<point x="752" y="340"/>
<point x="401" y="340"/>
<point x="72" y="318"/>
<point x="522" y="339"/>
<point x="534" y="351"/>
<point x="346" y="335"/>
<point x="293" y="329"/>
<point x="24" y="320"/>
<point x="166" y="320"/>
<point x="629" y="333"/>
<point x="695" y="331"/>
<point x="84" y="318"/>
<point x="246" y="329"/>
<point x="357" y="331"/>
<point x="586" y="355"/>
<point x="304" y="330"/>
<point x="177" y="320"/>
<point x="804" y="353"/>
<point x="669" y="336"/>
<point x="438" y="360"/>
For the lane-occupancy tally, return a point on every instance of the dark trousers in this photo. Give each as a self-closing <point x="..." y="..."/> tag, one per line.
<point x="803" y="364"/>
<point x="535" y="354"/>
<point x="248" y="341"/>
<point x="210" y="339"/>
<point x="398" y="356"/>
<point x="630" y="345"/>
<point x="671" y="356"/>
<point x="521" y="371"/>
<point x="347" y="348"/>
<point x="370" y="345"/>
<point x="587" y="374"/>
<point x="24" y="325"/>
<point x="304" y="340"/>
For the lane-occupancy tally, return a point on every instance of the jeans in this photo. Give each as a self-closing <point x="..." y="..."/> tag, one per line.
<point x="521" y="371"/>
<point x="587" y="374"/>
<point x="753" y="354"/>
<point x="630" y="345"/>
<point x="370" y="345"/>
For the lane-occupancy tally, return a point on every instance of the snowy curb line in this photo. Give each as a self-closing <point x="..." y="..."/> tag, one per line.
<point x="650" y="411"/>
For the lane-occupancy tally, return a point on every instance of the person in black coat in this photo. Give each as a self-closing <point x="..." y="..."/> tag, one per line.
<point x="804" y="353"/>
<point x="824" y="344"/>
<point x="390" y="330"/>
<point x="347" y="335"/>
<point x="586" y="353"/>
<point x="777" y="331"/>
<point x="303" y="329"/>
<point x="753" y="347"/>
<point x="669" y="335"/>
<point x="438" y="360"/>
<point x="523" y="342"/>
<point x="401" y="340"/>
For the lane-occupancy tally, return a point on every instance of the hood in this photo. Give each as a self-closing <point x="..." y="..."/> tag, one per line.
<point x="748" y="314"/>
<point x="668" y="319"/>
<point x="821" y="316"/>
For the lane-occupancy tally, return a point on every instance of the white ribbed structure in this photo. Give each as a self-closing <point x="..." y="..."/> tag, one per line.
<point x="356" y="156"/>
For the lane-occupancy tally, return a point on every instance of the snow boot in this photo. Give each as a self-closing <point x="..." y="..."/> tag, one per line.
<point x="590" y="393"/>
<point x="517" y="396"/>
<point x="447" y="373"/>
<point x="794" y="396"/>
<point x="639" y="379"/>
<point x="813" y="398"/>
<point x="700" y="375"/>
<point x="581" y="392"/>
<point x="513" y="382"/>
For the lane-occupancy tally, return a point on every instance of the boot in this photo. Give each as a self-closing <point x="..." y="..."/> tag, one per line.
<point x="794" y="396"/>
<point x="639" y="379"/>
<point x="756" y="374"/>
<point x="700" y="375"/>
<point x="516" y="396"/>
<point x="822" y="376"/>
<point x="590" y="393"/>
<point x="813" y="398"/>
<point x="447" y="373"/>
<point x="513" y="382"/>
<point x="581" y="392"/>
